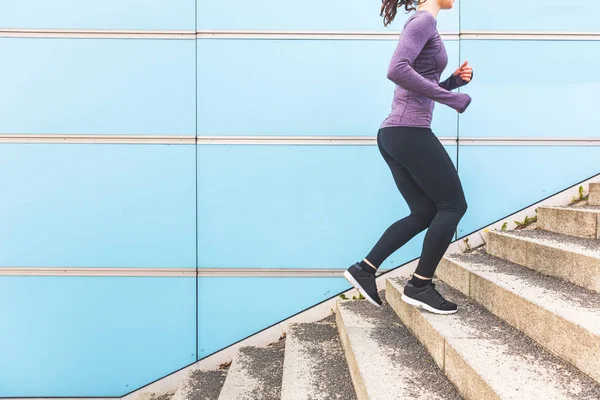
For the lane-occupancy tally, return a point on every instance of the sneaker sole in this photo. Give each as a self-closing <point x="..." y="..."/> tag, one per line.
<point x="424" y="306"/>
<point x="352" y="281"/>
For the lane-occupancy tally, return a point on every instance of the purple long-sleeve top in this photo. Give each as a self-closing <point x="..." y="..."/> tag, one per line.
<point x="416" y="66"/>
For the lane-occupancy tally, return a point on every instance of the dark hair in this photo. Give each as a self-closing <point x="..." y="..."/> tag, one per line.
<point x="390" y="7"/>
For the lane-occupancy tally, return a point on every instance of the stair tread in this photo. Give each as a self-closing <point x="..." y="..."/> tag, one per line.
<point x="199" y="384"/>
<point x="584" y="246"/>
<point x="571" y="302"/>
<point x="255" y="374"/>
<point x="513" y="365"/>
<point x="575" y="207"/>
<point x="391" y="361"/>
<point x="315" y="367"/>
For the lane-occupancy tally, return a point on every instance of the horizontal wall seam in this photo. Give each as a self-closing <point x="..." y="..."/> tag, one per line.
<point x="175" y="272"/>
<point x="98" y="34"/>
<point x="285" y="140"/>
<point x="289" y="34"/>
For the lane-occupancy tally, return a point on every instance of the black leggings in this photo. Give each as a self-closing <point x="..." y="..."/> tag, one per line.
<point x="428" y="181"/>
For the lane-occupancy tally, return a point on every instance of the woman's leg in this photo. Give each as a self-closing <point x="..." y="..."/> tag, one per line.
<point x="422" y="209"/>
<point x="424" y="157"/>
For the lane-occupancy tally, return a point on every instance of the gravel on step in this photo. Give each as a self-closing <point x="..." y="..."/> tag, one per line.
<point x="585" y="243"/>
<point x="205" y="385"/>
<point x="404" y="349"/>
<point x="324" y="350"/>
<point x="166" y="396"/>
<point x="265" y="365"/>
<point x="330" y="319"/>
<point x="568" y="292"/>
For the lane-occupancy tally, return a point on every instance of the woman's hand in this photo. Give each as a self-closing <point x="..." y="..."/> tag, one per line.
<point x="465" y="72"/>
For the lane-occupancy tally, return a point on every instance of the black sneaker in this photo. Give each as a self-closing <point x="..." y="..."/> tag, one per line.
<point x="364" y="282"/>
<point x="428" y="298"/>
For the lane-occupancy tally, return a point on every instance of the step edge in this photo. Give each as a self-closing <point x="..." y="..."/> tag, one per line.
<point x="477" y="385"/>
<point x="355" y="372"/>
<point x="592" y="373"/>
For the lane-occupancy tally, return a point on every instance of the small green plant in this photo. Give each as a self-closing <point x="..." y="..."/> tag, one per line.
<point x="581" y="197"/>
<point x="343" y="296"/>
<point x="360" y="297"/>
<point x="526" y="222"/>
<point x="504" y="226"/>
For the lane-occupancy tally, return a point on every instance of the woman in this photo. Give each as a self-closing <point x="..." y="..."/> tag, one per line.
<point x="420" y="165"/>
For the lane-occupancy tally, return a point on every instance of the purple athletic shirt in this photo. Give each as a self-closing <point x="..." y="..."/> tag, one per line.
<point x="415" y="68"/>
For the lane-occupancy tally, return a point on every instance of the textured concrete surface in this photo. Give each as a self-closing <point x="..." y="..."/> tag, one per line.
<point x="315" y="367"/>
<point x="488" y="359"/>
<point x="576" y="260"/>
<point x="562" y="317"/>
<point x="594" y="194"/>
<point x="385" y="360"/>
<point x="201" y="385"/>
<point x="574" y="221"/>
<point x="255" y="374"/>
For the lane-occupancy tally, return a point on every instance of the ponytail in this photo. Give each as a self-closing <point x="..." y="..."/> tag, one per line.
<point x="390" y="7"/>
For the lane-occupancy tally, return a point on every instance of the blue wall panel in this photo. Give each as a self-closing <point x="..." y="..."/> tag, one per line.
<point x="97" y="86"/>
<point x="532" y="15"/>
<point x="333" y="15"/>
<point x="532" y="89"/>
<point x="93" y="336"/>
<point x="105" y="14"/>
<point x="252" y="304"/>
<point x="97" y="205"/>
<point x="499" y="180"/>
<point x="300" y="87"/>
<point x="295" y="207"/>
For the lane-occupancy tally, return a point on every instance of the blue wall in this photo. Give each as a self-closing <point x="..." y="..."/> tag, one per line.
<point x="239" y="205"/>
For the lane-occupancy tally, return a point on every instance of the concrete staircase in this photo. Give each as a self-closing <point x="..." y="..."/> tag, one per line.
<point x="528" y="327"/>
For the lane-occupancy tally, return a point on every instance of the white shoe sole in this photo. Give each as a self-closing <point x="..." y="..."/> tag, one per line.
<point x="352" y="281"/>
<point x="424" y="306"/>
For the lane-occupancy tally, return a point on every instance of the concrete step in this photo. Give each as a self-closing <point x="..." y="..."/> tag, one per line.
<point x="485" y="357"/>
<point x="255" y="374"/>
<point x="581" y="221"/>
<point x="573" y="259"/>
<point x="314" y="367"/>
<point x="562" y="317"/>
<point x="386" y="361"/>
<point x="201" y="385"/>
<point x="594" y="194"/>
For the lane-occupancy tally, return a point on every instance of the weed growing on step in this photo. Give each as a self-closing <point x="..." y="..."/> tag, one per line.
<point x="526" y="222"/>
<point x="582" y="196"/>
<point x="360" y="297"/>
<point x="504" y="225"/>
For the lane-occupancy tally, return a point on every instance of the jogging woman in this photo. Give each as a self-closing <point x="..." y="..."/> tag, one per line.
<point x="420" y="165"/>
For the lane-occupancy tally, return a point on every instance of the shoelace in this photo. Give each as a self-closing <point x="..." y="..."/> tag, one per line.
<point x="438" y="294"/>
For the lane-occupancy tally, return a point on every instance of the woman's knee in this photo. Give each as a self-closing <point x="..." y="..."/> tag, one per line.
<point x="424" y="216"/>
<point x="458" y="206"/>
